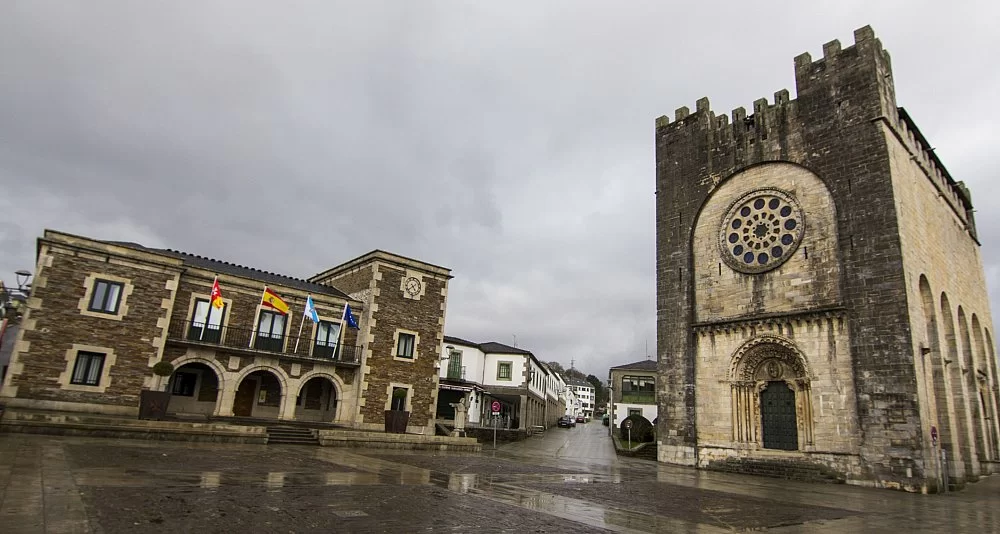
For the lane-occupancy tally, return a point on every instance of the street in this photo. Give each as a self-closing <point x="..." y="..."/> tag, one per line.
<point x="564" y="480"/>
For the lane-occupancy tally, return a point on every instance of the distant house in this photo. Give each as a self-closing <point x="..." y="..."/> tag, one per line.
<point x="584" y="392"/>
<point x="527" y="391"/>
<point x="633" y="388"/>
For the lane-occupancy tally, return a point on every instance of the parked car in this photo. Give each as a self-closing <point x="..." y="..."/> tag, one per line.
<point x="566" y="421"/>
<point x="605" y="420"/>
<point x="581" y="419"/>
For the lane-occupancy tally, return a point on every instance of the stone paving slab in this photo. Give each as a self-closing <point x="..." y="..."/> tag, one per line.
<point x="694" y="505"/>
<point x="477" y="464"/>
<point x="218" y="459"/>
<point x="383" y="508"/>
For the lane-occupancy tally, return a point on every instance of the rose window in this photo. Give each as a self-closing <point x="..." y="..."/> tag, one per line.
<point x="761" y="231"/>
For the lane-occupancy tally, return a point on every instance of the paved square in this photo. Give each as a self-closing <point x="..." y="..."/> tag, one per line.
<point x="556" y="482"/>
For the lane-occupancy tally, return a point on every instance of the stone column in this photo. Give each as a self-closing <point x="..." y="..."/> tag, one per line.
<point x="288" y="398"/>
<point x="227" y="394"/>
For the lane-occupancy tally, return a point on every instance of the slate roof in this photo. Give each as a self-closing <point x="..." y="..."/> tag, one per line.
<point x="493" y="347"/>
<point x="224" y="267"/>
<point x="643" y="365"/>
<point x="574" y="381"/>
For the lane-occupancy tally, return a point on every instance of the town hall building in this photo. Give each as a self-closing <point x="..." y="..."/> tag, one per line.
<point x="821" y="298"/>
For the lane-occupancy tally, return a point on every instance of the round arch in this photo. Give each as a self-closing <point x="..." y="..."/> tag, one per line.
<point x="322" y="400"/>
<point x="278" y="372"/>
<point x="771" y="394"/>
<point x="220" y="372"/>
<point x="752" y="361"/>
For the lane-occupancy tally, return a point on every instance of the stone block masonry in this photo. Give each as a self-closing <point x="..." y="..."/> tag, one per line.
<point x="865" y="180"/>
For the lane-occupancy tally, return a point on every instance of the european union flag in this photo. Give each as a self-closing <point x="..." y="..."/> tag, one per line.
<point x="349" y="318"/>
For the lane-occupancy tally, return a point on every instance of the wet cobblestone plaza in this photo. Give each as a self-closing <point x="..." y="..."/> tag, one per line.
<point x="567" y="480"/>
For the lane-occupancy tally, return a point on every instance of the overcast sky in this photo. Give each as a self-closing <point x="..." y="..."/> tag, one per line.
<point x="509" y="141"/>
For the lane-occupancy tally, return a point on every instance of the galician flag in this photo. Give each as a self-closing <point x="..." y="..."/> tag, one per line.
<point x="272" y="300"/>
<point x="216" y="296"/>
<point x="310" y="310"/>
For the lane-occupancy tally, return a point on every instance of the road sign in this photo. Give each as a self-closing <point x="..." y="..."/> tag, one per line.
<point x="628" y="424"/>
<point x="496" y="407"/>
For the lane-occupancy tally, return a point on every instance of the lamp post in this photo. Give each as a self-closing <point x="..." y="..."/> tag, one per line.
<point x="10" y="298"/>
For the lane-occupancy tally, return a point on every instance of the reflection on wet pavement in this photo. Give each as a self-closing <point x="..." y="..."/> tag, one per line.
<point x="50" y="484"/>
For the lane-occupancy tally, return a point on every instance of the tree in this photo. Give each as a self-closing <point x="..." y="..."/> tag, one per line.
<point x="600" y="394"/>
<point x="556" y="367"/>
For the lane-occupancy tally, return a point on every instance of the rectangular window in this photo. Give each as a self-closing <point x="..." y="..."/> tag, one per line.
<point x="206" y="322"/>
<point x="271" y="331"/>
<point x="455" y="369"/>
<point x="106" y="297"/>
<point x="635" y="411"/>
<point x="640" y="389"/>
<point x="87" y="369"/>
<point x="504" y="370"/>
<point x="327" y="339"/>
<point x="183" y="384"/>
<point x="404" y="348"/>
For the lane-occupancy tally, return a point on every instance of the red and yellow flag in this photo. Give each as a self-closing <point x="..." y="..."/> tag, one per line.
<point x="216" y="296"/>
<point x="272" y="300"/>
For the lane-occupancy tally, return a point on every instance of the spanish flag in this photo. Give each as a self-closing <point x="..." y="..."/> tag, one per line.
<point x="216" y="296"/>
<point x="272" y="300"/>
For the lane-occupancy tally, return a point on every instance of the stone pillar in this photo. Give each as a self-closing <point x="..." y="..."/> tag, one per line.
<point x="288" y="398"/>
<point x="227" y="394"/>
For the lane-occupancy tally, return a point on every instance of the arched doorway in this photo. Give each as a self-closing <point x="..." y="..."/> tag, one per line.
<point x="771" y="395"/>
<point x="317" y="400"/>
<point x="194" y="389"/>
<point x="777" y="417"/>
<point x="258" y="395"/>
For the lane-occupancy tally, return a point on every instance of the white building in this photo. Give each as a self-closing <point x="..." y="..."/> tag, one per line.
<point x="481" y="373"/>
<point x="585" y="396"/>
<point x="633" y="391"/>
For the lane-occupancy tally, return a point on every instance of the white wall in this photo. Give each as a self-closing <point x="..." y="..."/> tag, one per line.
<point x="649" y="411"/>
<point x="472" y="359"/>
<point x="517" y="370"/>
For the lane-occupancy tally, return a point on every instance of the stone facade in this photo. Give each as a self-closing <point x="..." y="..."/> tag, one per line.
<point x="816" y="255"/>
<point x="406" y="297"/>
<point x="225" y="366"/>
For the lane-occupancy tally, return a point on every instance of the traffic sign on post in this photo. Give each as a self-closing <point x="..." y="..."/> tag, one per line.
<point x="496" y="407"/>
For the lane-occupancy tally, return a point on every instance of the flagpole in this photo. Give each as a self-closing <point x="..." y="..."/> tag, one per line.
<point x="340" y="338"/>
<point x="208" y="315"/>
<point x="302" y="321"/>
<point x="253" y="333"/>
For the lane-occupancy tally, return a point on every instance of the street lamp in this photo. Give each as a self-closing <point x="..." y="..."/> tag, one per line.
<point x="10" y="298"/>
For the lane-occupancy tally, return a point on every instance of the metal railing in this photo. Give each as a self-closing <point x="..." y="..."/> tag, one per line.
<point x="639" y="397"/>
<point x="234" y="338"/>
<point x="456" y="374"/>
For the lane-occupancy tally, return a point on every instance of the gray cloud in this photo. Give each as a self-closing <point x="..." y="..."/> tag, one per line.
<point x="510" y="142"/>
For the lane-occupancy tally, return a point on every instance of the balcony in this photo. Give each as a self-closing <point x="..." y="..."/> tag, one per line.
<point x="638" y="397"/>
<point x="456" y="373"/>
<point x="239" y="340"/>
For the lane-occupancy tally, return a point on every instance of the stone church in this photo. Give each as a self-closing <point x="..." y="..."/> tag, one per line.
<point x="821" y="299"/>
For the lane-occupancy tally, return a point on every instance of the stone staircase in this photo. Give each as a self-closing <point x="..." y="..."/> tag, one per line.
<point x="291" y="435"/>
<point x="778" y="468"/>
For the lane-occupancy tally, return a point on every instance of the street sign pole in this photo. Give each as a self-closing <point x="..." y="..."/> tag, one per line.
<point x="495" y="408"/>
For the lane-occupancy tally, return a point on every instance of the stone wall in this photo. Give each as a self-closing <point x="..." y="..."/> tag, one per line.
<point x="58" y="325"/>
<point x="828" y="130"/>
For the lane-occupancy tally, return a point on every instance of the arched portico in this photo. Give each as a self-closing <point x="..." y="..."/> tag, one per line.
<point x="194" y="389"/>
<point x="771" y="395"/>
<point x="260" y="391"/>
<point x="317" y="398"/>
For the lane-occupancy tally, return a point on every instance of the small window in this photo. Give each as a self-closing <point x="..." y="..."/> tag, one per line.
<point x="635" y="411"/>
<point x="87" y="369"/>
<point x="404" y="348"/>
<point x="503" y="371"/>
<point x="184" y="384"/>
<point x="106" y="297"/>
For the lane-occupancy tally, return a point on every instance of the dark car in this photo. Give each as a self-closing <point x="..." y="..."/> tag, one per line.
<point x="566" y="421"/>
<point x="581" y="419"/>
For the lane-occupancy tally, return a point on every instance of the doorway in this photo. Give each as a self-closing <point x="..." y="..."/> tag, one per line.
<point x="243" y="403"/>
<point x="777" y="414"/>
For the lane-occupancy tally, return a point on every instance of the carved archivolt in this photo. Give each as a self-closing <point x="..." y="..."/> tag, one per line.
<point x="758" y="362"/>
<point x="768" y="357"/>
